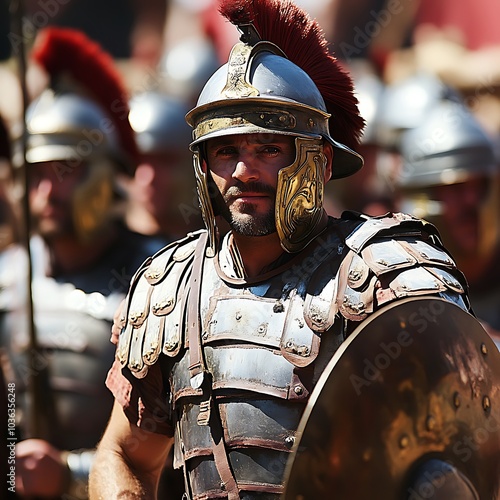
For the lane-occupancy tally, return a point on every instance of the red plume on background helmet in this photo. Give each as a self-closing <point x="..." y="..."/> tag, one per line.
<point x="303" y="41"/>
<point x="67" y="52"/>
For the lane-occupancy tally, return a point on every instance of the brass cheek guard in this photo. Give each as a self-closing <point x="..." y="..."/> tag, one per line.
<point x="92" y="200"/>
<point x="299" y="195"/>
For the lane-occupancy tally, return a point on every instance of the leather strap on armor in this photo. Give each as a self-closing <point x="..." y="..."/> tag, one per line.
<point x="220" y="453"/>
<point x="209" y="412"/>
<point x="196" y="365"/>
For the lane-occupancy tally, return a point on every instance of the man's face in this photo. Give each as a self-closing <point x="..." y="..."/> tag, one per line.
<point x="245" y="170"/>
<point x="462" y="208"/>
<point x="52" y="186"/>
<point x="154" y="182"/>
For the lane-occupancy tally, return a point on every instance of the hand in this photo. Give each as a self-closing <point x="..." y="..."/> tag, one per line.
<point x="40" y="469"/>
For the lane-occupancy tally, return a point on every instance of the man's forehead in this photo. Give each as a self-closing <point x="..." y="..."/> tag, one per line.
<point x="260" y="138"/>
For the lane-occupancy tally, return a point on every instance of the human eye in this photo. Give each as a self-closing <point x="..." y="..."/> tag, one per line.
<point x="271" y="150"/>
<point x="224" y="151"/>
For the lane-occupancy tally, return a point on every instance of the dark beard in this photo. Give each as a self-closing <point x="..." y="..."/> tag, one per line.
<point x="261" y="225"/>
<point x="258" y="226"/>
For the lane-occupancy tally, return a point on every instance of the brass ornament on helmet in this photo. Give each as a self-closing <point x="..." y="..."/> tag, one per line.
<point x="418" y="381"/>
<point x="299" y="195"/>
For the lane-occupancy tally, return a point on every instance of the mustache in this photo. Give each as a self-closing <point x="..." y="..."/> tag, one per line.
<point x="249" y="187"/>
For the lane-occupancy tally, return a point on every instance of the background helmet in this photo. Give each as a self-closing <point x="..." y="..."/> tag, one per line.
<point x="448" y="147"/>
<point x="405" y="104"/>
<point x="271" y="85"/>
<point x="187" y="66"/>
<point x="158" y="121"/>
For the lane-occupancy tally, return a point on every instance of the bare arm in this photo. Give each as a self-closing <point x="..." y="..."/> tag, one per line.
<point x="128" y="462"/>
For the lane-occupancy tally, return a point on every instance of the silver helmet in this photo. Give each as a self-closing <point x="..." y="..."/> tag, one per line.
<point x="265" y="88"/>
<point x="159" y="123"/>
<point x="64" y="126"/>
<point x="405" y="104"/>
<point x="450" y="146"/>
<point x="187" y="66"/>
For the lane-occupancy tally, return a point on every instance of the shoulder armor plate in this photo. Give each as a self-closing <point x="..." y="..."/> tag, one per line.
<point x="155" y="307"/>
<point x="388" y="258"/>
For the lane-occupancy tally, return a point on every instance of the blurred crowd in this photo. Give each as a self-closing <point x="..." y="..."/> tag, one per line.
<point x="96" y="175"/>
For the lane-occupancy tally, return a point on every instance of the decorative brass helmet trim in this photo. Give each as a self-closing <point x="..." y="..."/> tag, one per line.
<point x="299" y="195"/>
<point x="260" y="115"/>
<point x="237" y="84"/>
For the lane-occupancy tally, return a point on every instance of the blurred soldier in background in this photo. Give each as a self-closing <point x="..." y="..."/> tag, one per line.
<point x="366" y="191"/>
<point x="162" y="185"/>
<point x="450" y="176"/>
<point x="82" y="258"/>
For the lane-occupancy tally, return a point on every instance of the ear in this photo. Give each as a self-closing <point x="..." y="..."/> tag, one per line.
<point x="329" y="153"/>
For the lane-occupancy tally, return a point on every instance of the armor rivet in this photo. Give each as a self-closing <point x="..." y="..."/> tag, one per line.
<point x="238" y="316"/>
<point x="289" y="440"/>
<point x="311" y="122"/>
<point x="486" y="404"/>
<point x="404" y="442"/>
<point x="222" y="486"/>
<point x="354" y="275"/>
<point x="430" y="423"/>
<point x="457" y="400"/>
<point x="170" y="346"/>
<point x="278" y="307"/>
<point x="261" y="329"/>
<point x="298" y="390"/>
<point x="282" y="118"/>
<point x="205" y="335"/>
<point x="261" y="116"/>
<point x="484" y="349"/>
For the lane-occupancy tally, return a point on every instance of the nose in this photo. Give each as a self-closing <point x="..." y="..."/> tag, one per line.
<point x="244" y="171"/>
<point x="145" y="174"/>
<point x="45" y="187"/>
